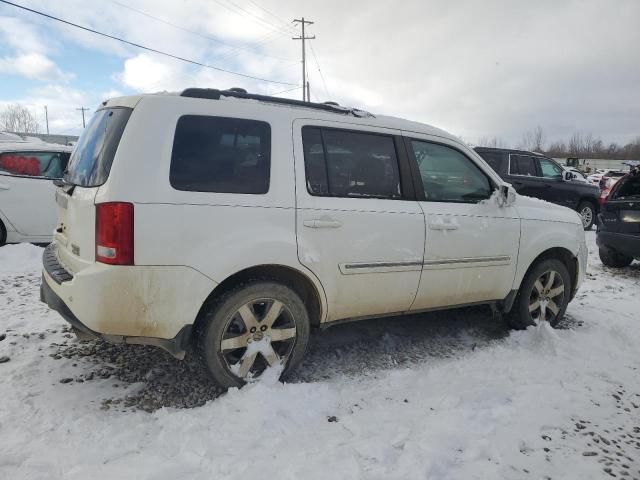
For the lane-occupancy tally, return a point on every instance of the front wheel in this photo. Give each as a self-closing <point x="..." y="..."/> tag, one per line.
<point x="543" y="296"/>
<point x="613" y="259"/>
<point x="251" y="328"/>
<point x="587" y="211"/>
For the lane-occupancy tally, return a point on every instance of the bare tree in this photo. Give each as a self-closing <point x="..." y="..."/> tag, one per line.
<point x="492" y="142"/>
<point x="16" y="118"/>
<point x="534" y="140"/>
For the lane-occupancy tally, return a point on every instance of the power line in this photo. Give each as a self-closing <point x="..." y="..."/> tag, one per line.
<point x="193" y="32"/>
<point x="137" y="45"/>
<point x="324" y="84"/>
<point x="285" y="24"/>
<point x="285" y="91"/>
<point x="238" y="10"/>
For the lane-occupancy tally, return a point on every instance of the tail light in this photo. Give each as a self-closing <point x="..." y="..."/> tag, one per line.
<point x="114" y="233"/>
<point x="603" y="195"/>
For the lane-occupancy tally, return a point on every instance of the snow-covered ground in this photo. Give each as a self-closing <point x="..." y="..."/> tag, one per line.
<point x="451" y="395"/>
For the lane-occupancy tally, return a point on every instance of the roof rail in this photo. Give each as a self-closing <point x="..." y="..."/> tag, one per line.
<point x="215" y="94"/>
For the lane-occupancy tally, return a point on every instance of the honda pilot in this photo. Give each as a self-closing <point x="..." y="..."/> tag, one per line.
<point x="237" y="223"/>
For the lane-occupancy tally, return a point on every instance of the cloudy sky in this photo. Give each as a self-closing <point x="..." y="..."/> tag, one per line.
<point x="476" y="68"/>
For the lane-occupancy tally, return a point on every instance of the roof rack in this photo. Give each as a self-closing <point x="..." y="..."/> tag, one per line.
<point x="215" y="94"/>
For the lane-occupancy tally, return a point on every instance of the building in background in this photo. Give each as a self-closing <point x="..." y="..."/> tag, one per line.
<point x="590" y="165"/>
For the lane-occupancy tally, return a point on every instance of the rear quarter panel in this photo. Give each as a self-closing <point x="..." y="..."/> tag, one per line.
<point x="217" y="234"/>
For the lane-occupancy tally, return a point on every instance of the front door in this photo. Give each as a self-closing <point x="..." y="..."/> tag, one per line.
<point x="471" y="244"/>
<point x="356" y="229"/>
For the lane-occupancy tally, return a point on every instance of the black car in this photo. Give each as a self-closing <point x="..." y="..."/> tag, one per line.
<point x="618" y="234"/>
<point x="537" y="176"/>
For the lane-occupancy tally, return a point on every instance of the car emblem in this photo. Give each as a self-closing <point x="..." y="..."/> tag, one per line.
<point x="75" y="249"/>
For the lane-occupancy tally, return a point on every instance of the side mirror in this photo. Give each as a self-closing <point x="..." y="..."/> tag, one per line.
<point x="507" y="195"/>
<point x="567" y="176"/>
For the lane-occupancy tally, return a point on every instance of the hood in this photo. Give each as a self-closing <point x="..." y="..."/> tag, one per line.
<point x="531" y="208"/>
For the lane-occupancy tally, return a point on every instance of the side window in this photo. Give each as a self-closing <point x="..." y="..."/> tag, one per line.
<point x="448" y="175"/>
<point x="550" y="169"/>
<point x="522" y="165"/>
<point x="223" y="155"/>
<point x="34" y="164"/>
<point x="345" y="163"/>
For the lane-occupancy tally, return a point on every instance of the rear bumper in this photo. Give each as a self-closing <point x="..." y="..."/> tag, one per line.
<point x="176" y="346"/>
<point x="151" y="305"/>
<point x="625" y="244"/>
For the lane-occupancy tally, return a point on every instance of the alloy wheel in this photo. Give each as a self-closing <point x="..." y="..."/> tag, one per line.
<point x="547" y="297"/>
<point x="260" y="334"/>
<point x="587" y="216"/>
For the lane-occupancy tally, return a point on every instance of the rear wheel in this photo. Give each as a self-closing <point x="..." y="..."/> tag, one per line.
<point x="587" y="211"/>
<point x="251" y="328"/>
<point x="613" y="259"/>
<point x="543" y="296"/>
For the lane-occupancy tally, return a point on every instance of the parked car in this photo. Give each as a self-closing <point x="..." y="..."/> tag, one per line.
<point x="537" y="176"/>
<point x="27" y="205"/>
<point x="237" y="222"/>
<point x="609" y="178"/>
<point x="595" y="177"/>
<point x="618" y="233"/>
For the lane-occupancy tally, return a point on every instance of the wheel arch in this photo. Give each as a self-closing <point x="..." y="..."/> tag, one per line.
<point x="559" y="253"/>
<point x="310" y="291"/>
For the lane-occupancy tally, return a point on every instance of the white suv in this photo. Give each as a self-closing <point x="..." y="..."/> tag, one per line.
<point x="239" y="221"/>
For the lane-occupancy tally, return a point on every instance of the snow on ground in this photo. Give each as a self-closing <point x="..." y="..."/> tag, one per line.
<point x="450" y="395"/>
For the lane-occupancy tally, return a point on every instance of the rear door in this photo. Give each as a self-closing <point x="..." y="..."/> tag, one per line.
<point x="358" y="228"/>
<point x="27" y="190"/>
<point x="88" y="169"/>
<point x="525" y="176"/>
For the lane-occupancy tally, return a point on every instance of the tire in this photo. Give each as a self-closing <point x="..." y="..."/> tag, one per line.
<point x="587" y="211"/>
<point x="558" y="293"/>
<point x="614" y="259"/>
<point x="237" y="320"/>
<point x="3" y="234"/>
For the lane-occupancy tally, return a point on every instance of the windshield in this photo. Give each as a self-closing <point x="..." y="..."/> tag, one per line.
<point x="91" y="160"/>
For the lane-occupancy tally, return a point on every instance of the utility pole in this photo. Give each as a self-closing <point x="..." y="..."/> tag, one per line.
<point x="46" y="118"/>
<point x="305" y="84"/>
<point x="82" y="109"/>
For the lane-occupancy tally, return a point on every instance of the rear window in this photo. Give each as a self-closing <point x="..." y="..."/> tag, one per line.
<point x="91" y="160"/>
<point x="629" y="187"/>
<point x="222" y="155"/>
<point x="34" y="164"/>
<point x="522" y="165"/>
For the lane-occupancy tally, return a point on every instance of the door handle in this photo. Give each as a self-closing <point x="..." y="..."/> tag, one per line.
<point x="546" y="185"/>
<point x="322" y="223"/>
<point x="441" y="225"/>
<point x="517" y="183"/>
<point x="4" y="187"/>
